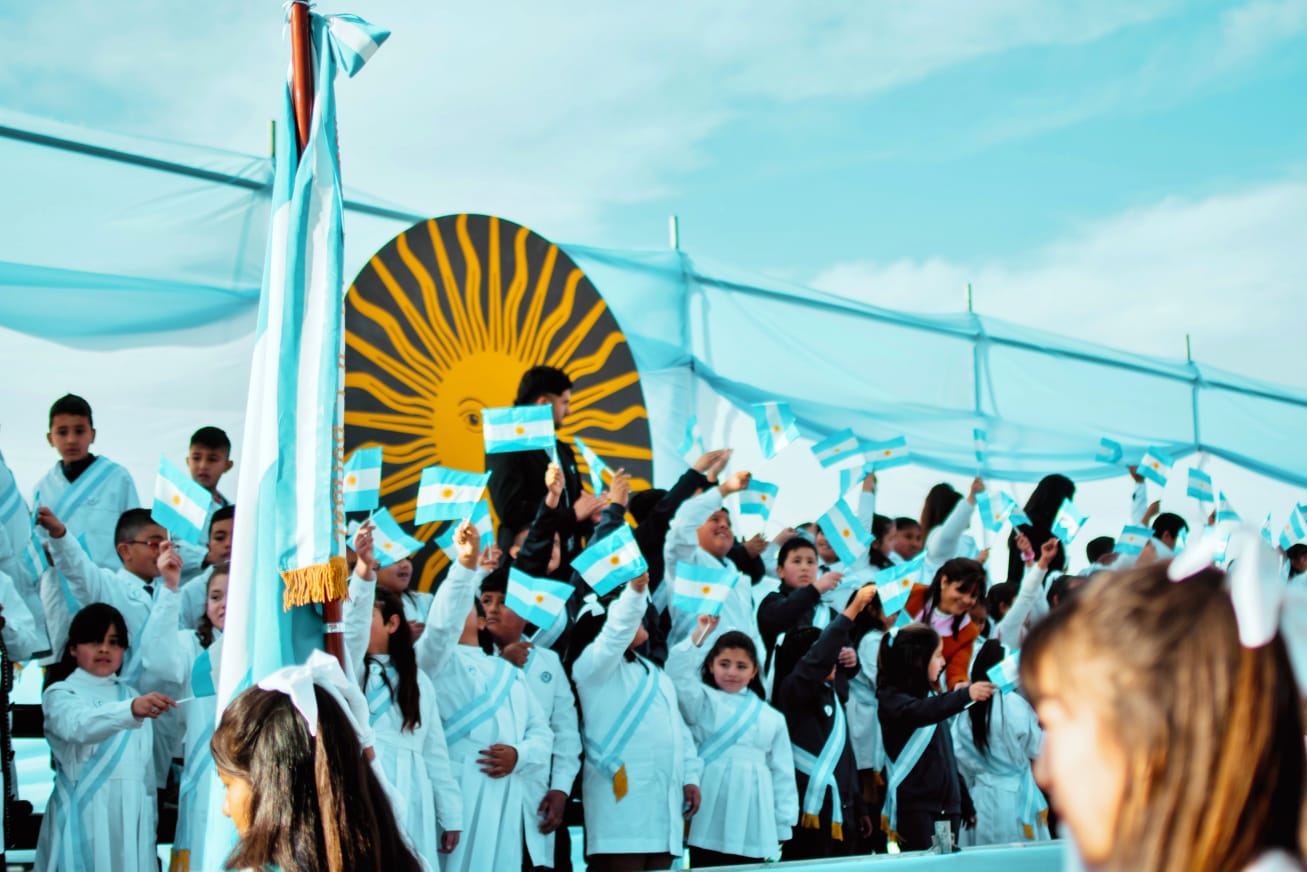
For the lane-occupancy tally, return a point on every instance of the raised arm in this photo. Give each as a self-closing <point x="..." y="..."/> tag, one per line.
<point x="356" y="611"/>
<point x="920" y="712"/>
<point x="450" y="605"/>
<point x="943" y="542"/>
<point x="1008" y="630"/>
<point x="602" y="656"/>
<point x="87" y="582"/>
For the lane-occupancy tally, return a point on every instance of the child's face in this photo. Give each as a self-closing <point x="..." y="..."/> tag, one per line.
<point x="907" y="542"/>
<point x="215" y="602"/>
<point x="103" y="658"/>
<point x="473" y="624"/>
<point x="140" y="555"/>
<point x="71" y="436"/>
<point x="732" y="669"/>
<point x="207" y="465"/>
<point x="236" y="801"/>
<point x="936" y="664"/>
<point x="952" y="600"/>
<point x="504" y="624"/>
<point x="979" y="613"/>
<point x="799" y="568"/>
<point x="824" y="551"/>
<point x="715" y="534"/>
<point x="396" y="576"/>
<point x="220" y="541"/>
<point x="886" y="543"/>
<point x="379" y="637"/>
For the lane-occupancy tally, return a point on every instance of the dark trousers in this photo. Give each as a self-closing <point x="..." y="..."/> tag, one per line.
<point x="702" y="858"/>
<point x="917" y="828"/>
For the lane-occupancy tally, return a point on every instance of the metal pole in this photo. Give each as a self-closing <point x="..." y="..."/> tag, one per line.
<point x="674" y="233"/>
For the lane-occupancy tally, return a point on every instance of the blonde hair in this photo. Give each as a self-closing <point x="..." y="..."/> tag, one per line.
<point x="1211" y="731"/>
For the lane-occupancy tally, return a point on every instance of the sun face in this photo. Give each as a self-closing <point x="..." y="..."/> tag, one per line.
<point x="442" y="322"/>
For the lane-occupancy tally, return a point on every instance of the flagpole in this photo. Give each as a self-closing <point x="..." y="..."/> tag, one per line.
<point x="333" y="628"/>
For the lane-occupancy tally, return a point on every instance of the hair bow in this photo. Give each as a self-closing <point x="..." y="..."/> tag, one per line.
<point x="590" y="605"/>
<point x="1256" y="581"/>
<point x="321" y="670"/>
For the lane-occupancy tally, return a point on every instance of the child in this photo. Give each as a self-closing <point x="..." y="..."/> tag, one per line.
<point x="923" y="779"/>
<point x="799" y="602"/>
<point x="831" y="803"/>
<point x="995" y="743"/>
<point x="883" y="536"/>
<point x="641" y="774"/>
<point x="300" y="792"/>
<point x="1190" y="755"/>
<point x="749" y="802"/>
<point x="396" y="578"/>
<point x="1028" y="604"/>
<point x="208" y="460"/>
<point x="944" y="519"/>
<point x="945" y="605"/>
<point x="102" y="812"/>
<point x="499" y="741"/>
<point x="87" y="492"/>
<point x="548" y="842"/>
<point x="185" y="662"/>
<point x="1041" y="509"/>
<point x="195" y="586"/>
<point x="908" y="539"/>
<point x="864" y="725"/>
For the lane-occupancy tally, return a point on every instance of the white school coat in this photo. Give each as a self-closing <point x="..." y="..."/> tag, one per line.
<point x="660" y="759"/>
<point x="995" y="780"/>
<point x="749" y="800"/>
<point x="947" y="540"/>
<point x="115" y="832"/>
<point x="495" y="818"/>
<point x="111" y="492"/>
<point x="544" y="675"/>
<point x="862" y="710"/>
<point x="23" y="637"/>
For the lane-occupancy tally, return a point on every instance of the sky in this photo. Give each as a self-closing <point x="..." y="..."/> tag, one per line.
<point x="1121" y="171"/>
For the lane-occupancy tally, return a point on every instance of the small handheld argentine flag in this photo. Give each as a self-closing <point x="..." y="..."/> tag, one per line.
<point x="1109" y="451"/>
<point x="519" y="428"/>
<point x="1295" y="529"/>
<point x="1225" y="511"/>
<point x="1067" y="522"/>
<point x="777" y="428"/>
<point x="1018" y="518"/>
<point x="1133" y="539"/>
<point x="390" y="544"/>
<point x="611" y="562"/>
<point x="692" y="446"/>
<point x="181" y="505"/>
<point x="480" y="519"/>
<point x="992" y="516"/>
<point x="362" y="483"/>
<point x="758" y="498"/>
<point x="838" y="450"/>
<point x="702" y="589"/>
<point x="1156" y="466"/>
<point x="594" y="465"/>
<point x="887" y="454"/>
<point x="844" y="533"/>
<point x="1200" y="485"/>
<point x="1006" y="674"/>
<point x="537" y="601"/>
<point x="448" y="494"/>
<point x="894" y="584"/>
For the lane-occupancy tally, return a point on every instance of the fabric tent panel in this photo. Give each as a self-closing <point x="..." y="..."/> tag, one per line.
<point x="1261" y="434"/>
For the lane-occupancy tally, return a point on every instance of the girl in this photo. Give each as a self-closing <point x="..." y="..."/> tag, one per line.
<point x="995" y="743"/>
<point x="826" y="776"/>
<point x="1191" y="757"/>
<point x="641" y="774"/>
<point x="302" y="795"/>
<point x="864" y="726"/>
<point x="395" y="577"/>
<point x="187" y="661"/>
<point x="101" y="816"/>
<point x="944" y="519"/>
<point x="923" y="779"/>
<point x="883" y="535"/>
<point x="945" y="605"/>
<point x="749" y="802"/>
<point x="1041" y="508"/>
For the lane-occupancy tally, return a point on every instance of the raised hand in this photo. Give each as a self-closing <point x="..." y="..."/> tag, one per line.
<point x="169" y="564"/>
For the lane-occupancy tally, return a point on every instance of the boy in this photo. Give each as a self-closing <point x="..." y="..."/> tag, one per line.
<point x="209" y="459"/>
<point x="88" y="493"/>
<point x="908" y="540"/>
<point x="195" y="584"/>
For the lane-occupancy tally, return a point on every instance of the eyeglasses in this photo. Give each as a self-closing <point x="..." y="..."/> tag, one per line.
<point x="152" y="544"/>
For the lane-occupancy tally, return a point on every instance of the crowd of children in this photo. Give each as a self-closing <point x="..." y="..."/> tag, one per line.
<point x="800" y="720"/>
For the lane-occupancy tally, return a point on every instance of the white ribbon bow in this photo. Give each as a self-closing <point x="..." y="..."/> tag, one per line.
<point x="322" y="670"/>
<point x="590" y="605"/>
<point x="1256" y="583"/>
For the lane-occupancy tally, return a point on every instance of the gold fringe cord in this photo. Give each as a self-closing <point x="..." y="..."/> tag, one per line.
<point x="619" y="783"/>
<point x="810" y="822"/>
<point x="319" y="583"/>
<point x="837" y="831"/>
<point x="180" y="862"/>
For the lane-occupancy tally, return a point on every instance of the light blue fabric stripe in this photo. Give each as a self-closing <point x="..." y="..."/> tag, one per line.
<point x="482" y="707"/>
<point x="92" y="477"/>
<point x="1032" y="802"/>
<point x="9" y="503"/>
<point x="821" y="774"/>
<point x="607" y="755"/>
<point x="899" y="770"/>
<point x="745" y="716"/>
<point x="380" y="697"/>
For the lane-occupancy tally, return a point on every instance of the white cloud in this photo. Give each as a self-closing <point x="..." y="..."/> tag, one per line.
<point x="1228" y="269"/>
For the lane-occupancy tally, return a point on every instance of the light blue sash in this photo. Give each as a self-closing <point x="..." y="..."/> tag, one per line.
<point x="381" y="697"/>
<point x="899" y="770"/>
<point x="92" y="477"/>
<point x="1033" y="806"/>
<point x="745" y="716"/>
<point x="202" y="675"/>
<point x="821" y="776"/>
<point x="607" y="754"/>
<point x="483" y="706"/>
<point x="9" y="503"/>
<point x="71" y="798"/>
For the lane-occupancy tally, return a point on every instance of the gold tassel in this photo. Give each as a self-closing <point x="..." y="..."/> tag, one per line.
<point x="837" y="831"/>
<point x="319" y="583"/>
<point x="180" y="862"/>
<point x="809" y="821"/>
<point x="879" y="776"/>
<point x="619" y="783"/>
<point x="1043" y="817"/>
<point x="1029" y="830"/>
<point x="884" y="824"/>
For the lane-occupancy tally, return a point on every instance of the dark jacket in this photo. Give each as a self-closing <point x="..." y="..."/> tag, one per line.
<point x="932" y="785"/>
<point x="517" y="488"/>
<point x="651" y="535"/>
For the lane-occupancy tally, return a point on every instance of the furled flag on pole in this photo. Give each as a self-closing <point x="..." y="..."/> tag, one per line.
<point x="758" y="498"/>
<point x="692" y="446"/>
<point x="702" y="589"/>
<point x="992" y="516"/>
<point x="390" y="544"/>
<point x="1156" y="466"/>
<point x="181" y="505"/>
<point x="1067" y="522"/>
<point x="611" y="562"/>
<point x="1225" y="511"/>
<point x="776" y="427"/>
<point x="981" y="441"/>
<point x="449" y="494"/>
<point x="894" y="584"/>
<point x="519" y="428"/>
<point x="480" y="519"/>
<point x="844" y="533"/>
<point x="1109" y="451"/>
<point x="1132" y="539"/>
<point x="362" y="485"/>
<point x="1200" y="485"/>
<point x="1006" y="674"/>
<point x="838" y="450"/>
<point x="887" y="454"/>
<point x="537" y="601"/>
<point x="594" y="465"/>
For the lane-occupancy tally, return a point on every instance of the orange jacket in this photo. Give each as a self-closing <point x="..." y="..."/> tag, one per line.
<point x="957" y="649"/>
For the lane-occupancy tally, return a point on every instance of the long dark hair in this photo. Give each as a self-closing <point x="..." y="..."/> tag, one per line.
<point x="732" y="639"/>
<point x="903" y="662"/>
<point x="586" y="629"/>
<point x="1041" y="508"/>
<point x="880" y="525"/>
<point x="402" y="658"/>
<point x="204" y="632"/>
<point x="315" y="803"/>
<point x="991" y="654"/>
<point x="90" y="625"/>
<point x="967" y="574"/>
<point x="940" y="501"/>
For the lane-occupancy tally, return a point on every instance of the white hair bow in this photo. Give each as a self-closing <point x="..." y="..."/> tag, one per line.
<point x="322" y="670"/>
<point x="590" y="605"/>
<point x="1256" y="582"/>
